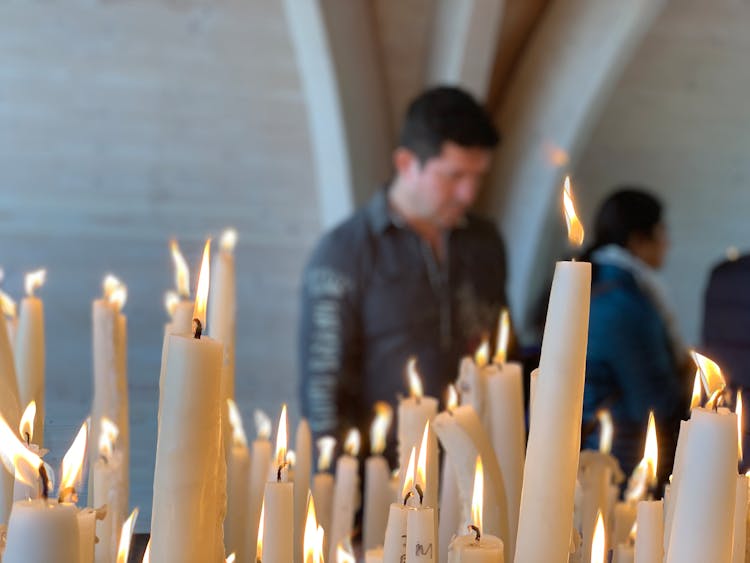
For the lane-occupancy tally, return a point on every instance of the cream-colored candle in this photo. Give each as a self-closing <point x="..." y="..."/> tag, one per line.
<point x="303" y="469"/>
<point x="413" y="413"/>
<point x="86" y="534"/>
<point x="463" y="438"/>
<point x="421" y="521"/>
<point x="238" y="488"/>
<point x="649" y="540"/>
<point x="29" y="351"/>
<point x="377" y="480"/>
<point x="108" y="490"/>
<point x="278" y="506"/>
<point x="260" y="461"/>
<point x="222" y="306"/>
<point x="623" y="553"/>
<point x="186" y="509"/>
<point x="323" y="484"/>
<point x="476" y="547"/>
<point x="41" y="532"/>
<point x="394" y="544"/>
<point x="450" y="504"/>
<point x="739" y="536"/>
<point x="10" y="407"/>
<point x="111" y="381"/>
<point x="345" y="492"/>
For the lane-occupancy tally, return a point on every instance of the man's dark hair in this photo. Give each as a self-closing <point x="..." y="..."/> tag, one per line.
<point x="446" y="114"/>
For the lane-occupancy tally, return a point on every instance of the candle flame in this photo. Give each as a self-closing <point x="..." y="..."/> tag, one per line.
<point x="17" y="457"/>
<point x="379" y="427"/>
<point x="262" y="424"/>
<point x="109" y="284"/>
<point x="108" y="433"/>
<point x="477" y="496"/>
<point x="710" y="371"/>
<point x="651" y="451"/>
<point x="26" y="426"/>
<point x="231" y="557"/>
<point x="599" y="542"/>
<point x="408" y="477"/>
<point x="738" y="412"/>
<point x="72" y="463"/>
<point x="415" y="382"/>
<point x="281" y="438"/>
<point x="228" y="240"/>
<point x="451" y="398"/>
<point x="633" y="532"/>
<point x="147" y="553"/>
<point x="34" y="280"/>
<point x="201" y="294"/>
<point x="8" y="305"/>
<point x="575" y="228"/>
<point x="344" y="553"/>
<point x="261" y="525"/>
<point x="645" y="473"/>
<point x="291" y="459"/>
<point x="171" y="300"/>
<point x="326" y="447"/>
<point x="235" y="421"/>
<point x="697" y="397"/>
<point x="181" y="270"/>
<point x="115" y="292"/>
<point x="321" y="542"/>
<point x="482" y="354"/>
<point x="310" y="537"/>
<point x="123" y="549"/>
<point x="421" y="477"/>
<point x="503" y="337"/>
<point x="353" y="442"/>
<point x="606" y="431"/>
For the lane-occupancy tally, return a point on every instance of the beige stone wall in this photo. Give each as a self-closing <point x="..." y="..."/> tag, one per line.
<point x="125" y="123"/>
<point x="678" y="122"/>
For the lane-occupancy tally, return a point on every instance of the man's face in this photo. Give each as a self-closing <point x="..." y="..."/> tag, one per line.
<point x="442" y="189"/>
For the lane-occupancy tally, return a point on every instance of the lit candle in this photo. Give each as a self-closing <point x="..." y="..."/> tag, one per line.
<point x="22" y="490"/>
<point x="476" y="547"/>
<point x="303" y="469"/>
<point x="10" y="407"/>
<point x="222" y="309"/>
<point x="599" y="541"/>
<point x="260" y="461"/>
<point x="413" y="412"/>
<point x="472" y="379"/>
<point x="394" y="546"/>
<point x="29" y="351"/>
<point x="125" y="537"/>
<point x="312" y="546"/>
<point x="108" y="490"/>
<point x="182" y="313"/>
<point x="238" y="484"/>
<point x="8" y="307"/>
<point x="111" y="382"/>
<point x="278" y="502"/>
<point x="186" y="516"/>
<point x="547" y="498"/>
<point x="421" y="523"/>
<point x="345" y="492"/>
<point x="377" y="480"/>
<point x="450" y="509"/>
<point x="323" y="482"/>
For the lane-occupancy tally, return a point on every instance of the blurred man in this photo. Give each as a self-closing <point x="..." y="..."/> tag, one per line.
<point x="412" y="273"/>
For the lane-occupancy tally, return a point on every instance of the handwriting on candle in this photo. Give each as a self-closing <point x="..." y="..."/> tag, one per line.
<point x="423" y="551"/>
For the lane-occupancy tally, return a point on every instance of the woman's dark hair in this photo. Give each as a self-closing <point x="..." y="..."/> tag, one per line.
<point x="626" y="212"/>
<point x="446" y="114"/>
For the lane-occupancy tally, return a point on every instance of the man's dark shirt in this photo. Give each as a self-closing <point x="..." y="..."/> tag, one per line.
<point x="374" y="295"/>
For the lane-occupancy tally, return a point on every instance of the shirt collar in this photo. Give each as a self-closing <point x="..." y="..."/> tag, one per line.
<point x="381" y="216"/>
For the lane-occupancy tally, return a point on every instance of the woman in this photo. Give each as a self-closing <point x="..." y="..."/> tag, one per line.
<point x="635" y="356"/>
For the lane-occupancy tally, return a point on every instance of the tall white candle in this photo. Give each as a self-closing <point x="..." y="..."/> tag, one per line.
<point x="302" y="473"/>
<point x="394" y="544"/>
<point x="260" y="461"/>
<point x="377" y="480"/>
<point x="29" y="351"/>
<point x="108" y="490"/>
<point x="345" y="492"/>
<point x="421" y="522"/>
<point x="10" y="409"/>
<point x="186" y="511"/>
<point x="238" y="488"/>
<point x="222" y="306"/>
<point x="649" y="540"/>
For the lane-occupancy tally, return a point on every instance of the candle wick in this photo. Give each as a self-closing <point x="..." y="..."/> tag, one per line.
<point x="278" y="473"/>
<point x="28" y="438"/>
<point x="420" y="492"/>
<point x="198" y="328"/>
<point x="407" y="497"/>
<point x="45" y="481"/>
<point x="475" y="529"/>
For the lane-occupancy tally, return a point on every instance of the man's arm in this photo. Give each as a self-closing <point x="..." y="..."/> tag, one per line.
<point x="329" y="339"/>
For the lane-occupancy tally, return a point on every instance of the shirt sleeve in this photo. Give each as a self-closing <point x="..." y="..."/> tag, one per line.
<point x="329" y="341"/>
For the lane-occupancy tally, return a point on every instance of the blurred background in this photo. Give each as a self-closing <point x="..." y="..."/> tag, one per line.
<point x="126" y="122"/>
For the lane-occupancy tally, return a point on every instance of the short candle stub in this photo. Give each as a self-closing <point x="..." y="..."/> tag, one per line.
<point x="45" y="481"/>
<point x="477" y="533"/>
<point x="198" y="328"/>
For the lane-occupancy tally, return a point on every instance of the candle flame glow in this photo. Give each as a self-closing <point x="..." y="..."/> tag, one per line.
<point x="26" y="427"/>
<point x="235" y="421"/>
<point x="8" y="305"/>
<point x="606" y="431"/>
<point x="72" y="463"/>
<point x="379" y="427"/>
<point x="421" y="477"/>
<point x="697" y="397"/>
<point x="326" y="447"/>
<point x="344" y="553"/>
<point x="738" y="412"/>
<point x="181" y="270"/>
<point x="261" y="525"/>
<point x="415" y="382"/>
<point x="281" y="438"/>
<point x="115" y="292"/>
<point x="353" y="442"/>
<point x="201" y="293"/>
<point x="651" y="451"/>
<point x="108" y="433"/>
<point x="311" y="551"/>
<point x="477" y="496"/>
<point x="451" y="398"/>
<point x="599" y="542"/>
<point x="503" y="337"/>
<point x="575" y="228"/>
<point x="291" y="459"/>
<point x="228" y="240"/>
<point x="711" y="375"/>
<point x="34" y="280"/>
<point x="171" y="300"/>
<point x="231" y="557"/>
<point x="123" y="549"/>
<point x="262" y="424"/>
<point x="17" y="457"/>
<point x="482" y="354"/>
<point x="408" y="476"/>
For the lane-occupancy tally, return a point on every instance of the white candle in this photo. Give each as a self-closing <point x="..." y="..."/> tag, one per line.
<point x="86" y="534"/>
<point x="421" y="523"/>
<point x="303" y="469"/>
<point x="41" y="532"/>
<point x="700" y="522"/>
<point x="450" y="506"/>
<point x="345" y="493"/>
<point x="623" y="553"/>
<point x="624" y="518"/>
<point x="278" y="506"/>
<point x="463" y="437"/>
<point x="740" y="520"/>
<point x="238" y="488"/>
<point x="377" y="480"/>
<point x="260" y="461"/>
<point x="10" y="409"/>
<point x="222" y="307"/>
<point x="323" y="484"/>
<point x="29" y="351"/>
<point x="394" y="545"/>
<point x="186" y="516"/>
<point x="649" y="539"/>
<point x="108" y="490"/>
